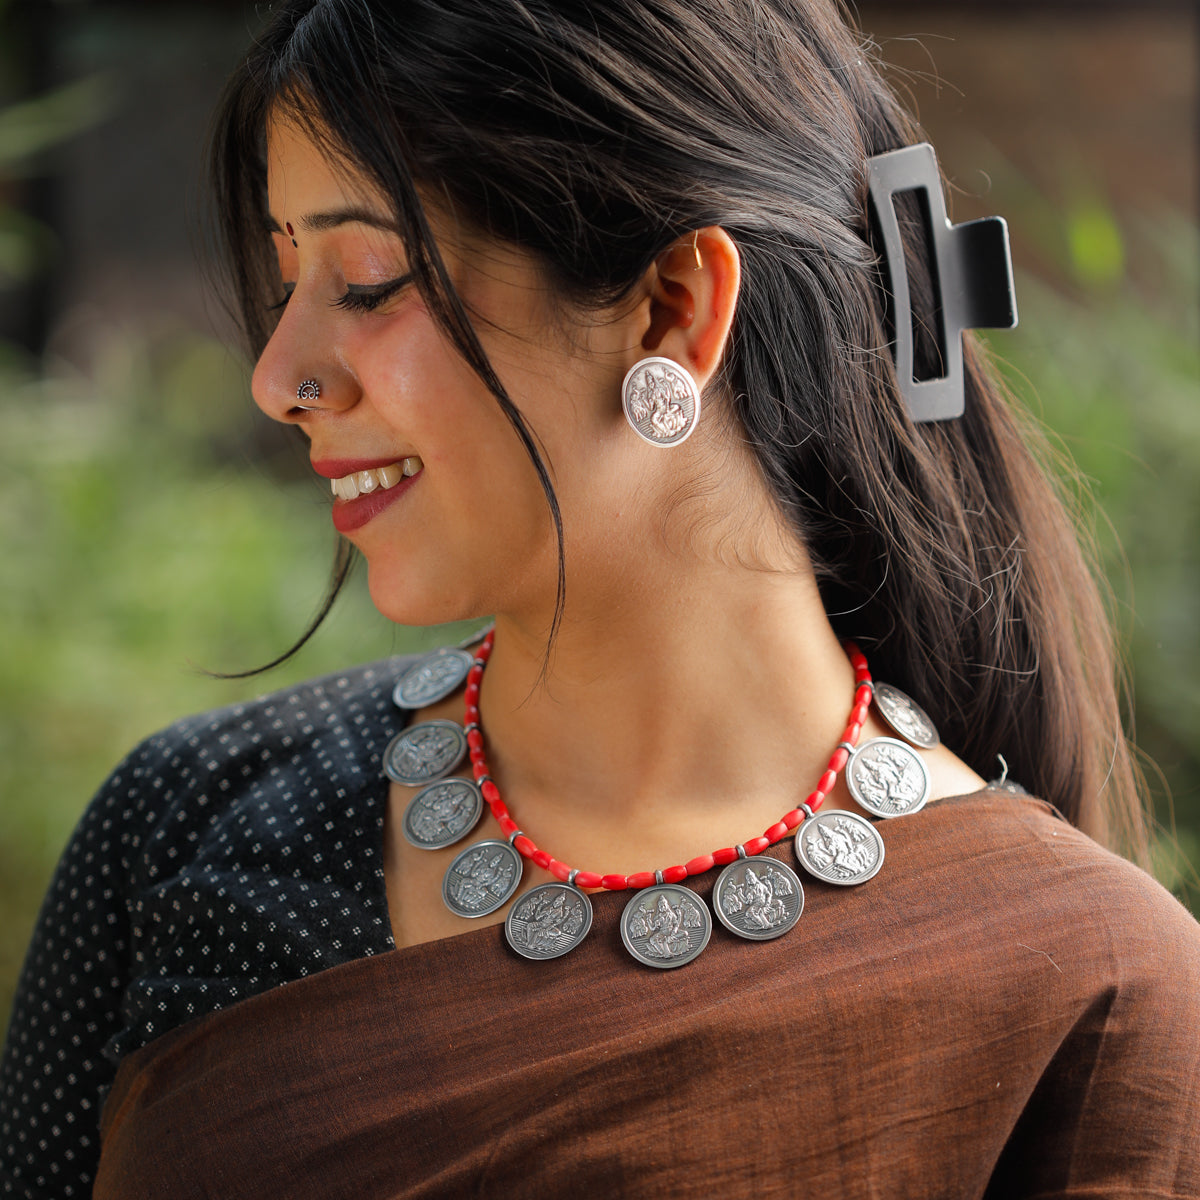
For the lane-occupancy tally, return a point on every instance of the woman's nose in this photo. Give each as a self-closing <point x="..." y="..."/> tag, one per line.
<point x="298" y="374"/>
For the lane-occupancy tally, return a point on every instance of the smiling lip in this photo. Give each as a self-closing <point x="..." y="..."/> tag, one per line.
<point x="349" y="515"/>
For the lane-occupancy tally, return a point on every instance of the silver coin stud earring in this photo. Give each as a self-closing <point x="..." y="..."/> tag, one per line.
<point x="309" y="389"/>
<point x="661" y="401"/>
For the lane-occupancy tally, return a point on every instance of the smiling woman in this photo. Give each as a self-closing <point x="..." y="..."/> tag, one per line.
<point x="635" y="329"/>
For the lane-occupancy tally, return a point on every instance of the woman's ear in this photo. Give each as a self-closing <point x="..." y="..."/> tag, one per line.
<point x="693" y="290"/>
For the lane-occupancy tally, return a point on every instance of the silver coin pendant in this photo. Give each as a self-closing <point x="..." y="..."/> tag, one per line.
<point x="425" y="752"/>
<point x="441" y="813"/>
<point x="481" y="879"/>
<point x="905" y="716"/>
<point x="839" y="847"/>
<point x="434" y="678"/>
<point x="758" y="898"/>
<point x="888" y="778"/>
<point x="548" y="921"/>
<point x="665" y="926"/>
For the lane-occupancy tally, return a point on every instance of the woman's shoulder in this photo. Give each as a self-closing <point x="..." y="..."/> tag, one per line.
<point x="246" y="762"/>
<point x="311" y="711"/>
<point x="1025" y="882"/>
<point x="339" y="716"/>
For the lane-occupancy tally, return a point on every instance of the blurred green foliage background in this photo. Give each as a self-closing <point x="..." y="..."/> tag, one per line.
<point x="151" y="528"/>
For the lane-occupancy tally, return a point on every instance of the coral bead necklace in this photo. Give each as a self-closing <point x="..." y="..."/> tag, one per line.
<point x="664" y="925"/>
<point x="696" y="866"/>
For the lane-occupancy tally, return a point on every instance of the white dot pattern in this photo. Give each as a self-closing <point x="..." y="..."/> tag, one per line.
<point x="229" y="854"/>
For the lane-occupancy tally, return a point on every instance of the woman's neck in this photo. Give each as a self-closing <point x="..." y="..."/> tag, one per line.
<point x="681" y="692"/>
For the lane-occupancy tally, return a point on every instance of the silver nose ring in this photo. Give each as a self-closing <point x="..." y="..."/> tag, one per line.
<point x="309" y="389"/>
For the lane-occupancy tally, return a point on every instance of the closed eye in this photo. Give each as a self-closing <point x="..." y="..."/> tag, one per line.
<point x="288" y="289"/>
<point x="368" y="297"/>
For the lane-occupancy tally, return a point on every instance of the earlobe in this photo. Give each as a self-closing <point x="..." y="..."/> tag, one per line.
<point x="693" y="296"/>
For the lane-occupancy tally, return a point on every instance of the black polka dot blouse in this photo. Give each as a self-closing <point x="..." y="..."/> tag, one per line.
<point x="229" y="854"/>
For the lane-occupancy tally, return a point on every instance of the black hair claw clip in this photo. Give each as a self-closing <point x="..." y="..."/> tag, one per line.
<point x="971" y="269"/>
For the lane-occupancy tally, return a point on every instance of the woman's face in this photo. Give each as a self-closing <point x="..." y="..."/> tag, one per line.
<point x="467" y="531"/>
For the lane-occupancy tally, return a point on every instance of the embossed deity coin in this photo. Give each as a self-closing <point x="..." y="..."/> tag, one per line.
<point x="888" y="778"/>
<point x="839" y="847"/>
<point x="758" y="898"/>
<point x="422" y="753"/>
<point x="481" y="878"/>
<point x="661" y="401"/>
<point x="432" y="679"/>
<point x="905" y="716"/>
<point x="548" y="921"/>
<point x="441" y="813"/>
<point x="665" y="926"/>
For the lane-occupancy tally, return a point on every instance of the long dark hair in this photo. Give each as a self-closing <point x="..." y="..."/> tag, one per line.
<point x="595" y="135"/>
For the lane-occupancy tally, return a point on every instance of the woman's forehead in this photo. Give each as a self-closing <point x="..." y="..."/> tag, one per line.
<point x="313" y="186"/>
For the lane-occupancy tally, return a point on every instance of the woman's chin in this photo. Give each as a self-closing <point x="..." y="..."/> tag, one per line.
<point x="406" y="600"/>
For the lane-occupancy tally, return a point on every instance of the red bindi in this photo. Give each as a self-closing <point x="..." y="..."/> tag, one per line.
<point x="290" y="231"/>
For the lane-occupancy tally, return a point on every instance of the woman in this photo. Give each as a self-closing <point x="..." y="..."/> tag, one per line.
<point x="586" y="315"/>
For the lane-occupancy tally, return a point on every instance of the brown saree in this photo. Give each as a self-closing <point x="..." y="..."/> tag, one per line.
<point x="1006" y="1010"/>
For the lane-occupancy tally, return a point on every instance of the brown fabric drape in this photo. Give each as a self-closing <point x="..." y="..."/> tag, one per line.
<point x="1005" y="1010"/>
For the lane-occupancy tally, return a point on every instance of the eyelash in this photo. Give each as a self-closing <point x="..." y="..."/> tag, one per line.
<point x="367" y="299"/>
<point x="358" y="298"/>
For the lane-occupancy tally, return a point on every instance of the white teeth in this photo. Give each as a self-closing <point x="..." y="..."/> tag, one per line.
<point x="362" y="483"/>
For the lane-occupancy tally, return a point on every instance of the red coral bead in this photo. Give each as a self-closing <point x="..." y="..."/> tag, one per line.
<point x="776" y="833"/>
<point x="640" y="879"/>
<point x="827" y="781"/>
<point x="542" y="859"/>
<point x="560" y="870"/>
<point x="756" y="845"/>
<point x="589" y="879"/>
<point x="794" y="818"/>
<point x="838" y="761"/>
<point x="614" y="883"/>
<point x="491" y="793"/>
<point x="700" y="864"/>
<point x="724" y="856"/>
<point x="674" y="874"/>
<point x="524" y="846"/>
<point x="507" y="825"/>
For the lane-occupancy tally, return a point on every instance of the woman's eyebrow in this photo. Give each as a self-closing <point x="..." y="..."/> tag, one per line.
<point x="319" y="222"/>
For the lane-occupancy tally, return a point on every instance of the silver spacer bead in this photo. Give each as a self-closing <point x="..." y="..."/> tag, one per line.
<point x="808" y="812"/>
<point x="849" y="749"/>
<point x="516" y="833"/>
<point x="658" y="878"/>
<point x="741" y="850"/>
<point x="571" y="877"/>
